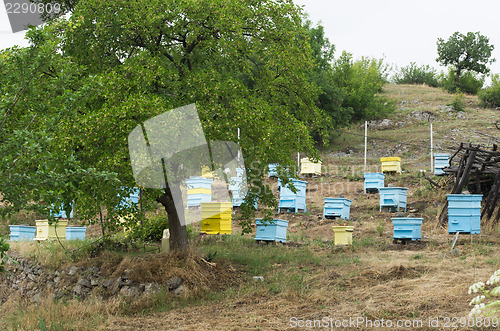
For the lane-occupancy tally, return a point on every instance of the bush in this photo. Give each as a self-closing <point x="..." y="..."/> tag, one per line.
<point x="490" y="96"/>
<point x="151" y="228"/>
<point x="468" y="82"/>
<point x="4" y="247"/>
<point x="458" y="103"/>
<point x="362" y="81"/>
<point x="413" y="74"/>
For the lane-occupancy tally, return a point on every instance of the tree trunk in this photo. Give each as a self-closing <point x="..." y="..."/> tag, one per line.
<point x="457" y="76"/>
<point x="176" y="223"/>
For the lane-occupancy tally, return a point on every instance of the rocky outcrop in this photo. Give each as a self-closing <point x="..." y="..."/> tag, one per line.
<point x="31" y="281"/>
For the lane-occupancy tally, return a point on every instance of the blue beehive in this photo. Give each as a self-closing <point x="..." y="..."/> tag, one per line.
<point x="61" y="214"/>
<point x="75" y="232"/>
<point x="374" y="181"/>
<point x="293" y="201"/>
<point x="337" y="207"/>
<point x="132" y="199"/>
<point x="235" y="186"/>
<point x="464" y="213"/>
<point x="441" y="161"/>
<point x="22" y="232"/>
<point x="199" y="189"/>
<point x="393" y="198"/>
<point x="275" y="231"/>
<point x="407" y="228"/>
<point x="272" y="170"/>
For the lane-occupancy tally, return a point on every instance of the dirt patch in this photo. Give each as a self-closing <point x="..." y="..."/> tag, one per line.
<point x="196" y="272"/>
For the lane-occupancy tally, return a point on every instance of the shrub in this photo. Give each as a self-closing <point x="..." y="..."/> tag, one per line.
<point x="362" y="81"/>
<point x="151" y="228"/>
<point x="469" y="82"/>
<point x="487" y="301"/>
<point x="413" y="74"/>
<point x="458" y="102"/>
<point x="4" y="247"/>
<point x="490" y="96"/>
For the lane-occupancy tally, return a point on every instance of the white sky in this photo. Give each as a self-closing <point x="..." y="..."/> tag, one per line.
<point x="401" y="31"/>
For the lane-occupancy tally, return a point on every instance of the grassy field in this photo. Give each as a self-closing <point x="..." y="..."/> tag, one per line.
<point x="309" y="278"/>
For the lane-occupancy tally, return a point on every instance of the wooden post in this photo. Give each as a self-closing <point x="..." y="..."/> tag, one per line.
<point x="366" y="140"/>
<point x="432" y="150"/>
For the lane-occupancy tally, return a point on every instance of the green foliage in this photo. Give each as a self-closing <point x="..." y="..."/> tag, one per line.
<point x="458" y="102"/>
<point x="331" y="96"/>
<point x="468" y="82"/>
<point x="413" y="74"/>
<point x="465" y="53"/>
<point x="4" y="248"/>
<point x="490" y="96"/>
<point x="362" y="82"/>
<point x="150" y="229"/>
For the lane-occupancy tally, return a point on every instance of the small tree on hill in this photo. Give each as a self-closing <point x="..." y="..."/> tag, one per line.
<point x="471" y="52"/>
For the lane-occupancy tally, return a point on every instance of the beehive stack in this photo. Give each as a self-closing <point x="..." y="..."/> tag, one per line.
<point x="216" y="217"/>
<point x="199" y="189"/>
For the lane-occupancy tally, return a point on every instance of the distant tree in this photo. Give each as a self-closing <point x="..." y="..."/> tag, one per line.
<point x="471" y="52"/>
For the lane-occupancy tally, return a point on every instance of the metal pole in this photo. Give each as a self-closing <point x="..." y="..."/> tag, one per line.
<point x="432" y="155"/>
<point x="366" y="140"/>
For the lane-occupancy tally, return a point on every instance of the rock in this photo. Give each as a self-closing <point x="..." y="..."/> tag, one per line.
<point x="179" y="290"/>
<point x="174" y="283"/>
<point x="94" y="281"/>
<point x="461" y="115"/>
<point x="151" y="288"/>
<point x="422" y="115"/>
<point x="72" y="270"/>
<point x="56" y="279"/>
<point x="413" y="210"/>
<point x="31" y="277"/>
<point x="380" y="124"/>
<point x="85" y="283"/>
<point x="446" y="109"/>
<point x="258" y="278"/>
<point x="80" y="290"/>
<point x="400" y="214"/>
<point x="130" y="291"/>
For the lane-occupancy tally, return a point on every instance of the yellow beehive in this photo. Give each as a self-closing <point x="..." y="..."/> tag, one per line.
<point x="309" y="167"/>
<point x="199" y="190"/>
<point x="206" y="173"/>
<point x="391" y="164"/>
<point x="55" y="230"/>
<point x="216" y="217"/>
<point x="343" y="234"/>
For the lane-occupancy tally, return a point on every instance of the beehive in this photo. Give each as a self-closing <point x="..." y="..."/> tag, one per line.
<point x="407" y="228"/>
<point x="293" y="201"/>
<point x="199" y="189"/>
<point x="61" y="213"/>
<point x="235" y="187"/>
<point x="275" y="231"/>
<point x="216" y="217"/>
<point x="441" y="161"/>
<point x="336" y="207"/>
<point x="373" y="181"/>
<point x="464" y="213"/>
<point x="22" y="232"/>
<point x="45" y="231"/>
<point x="132" y="199"/>
<point x="393" y="198"/>
<point x="75" y="232"/>
<point x="391" y="164"/>
<point x="308" y="167"/>
<point x="272" y="170"/>
<point x="343" y="234"/>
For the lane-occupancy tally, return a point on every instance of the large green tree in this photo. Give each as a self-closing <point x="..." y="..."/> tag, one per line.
<point x="245" y="63"/>
<point x="470" y="52"/>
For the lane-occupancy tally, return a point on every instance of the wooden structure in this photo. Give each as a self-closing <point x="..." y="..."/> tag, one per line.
<point x="407" y="228"/>
<point x="216" y="217"/>
<point x="337" y="207"/>
<point x="391" y="164"/>
<point x="275" y="231"/>
<point x="307" y="167"/>
<point x="477" y="170"/>
<point x="293" y="201"/>
<point x="374" y="181"/>
<point x="393" y="198"/>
